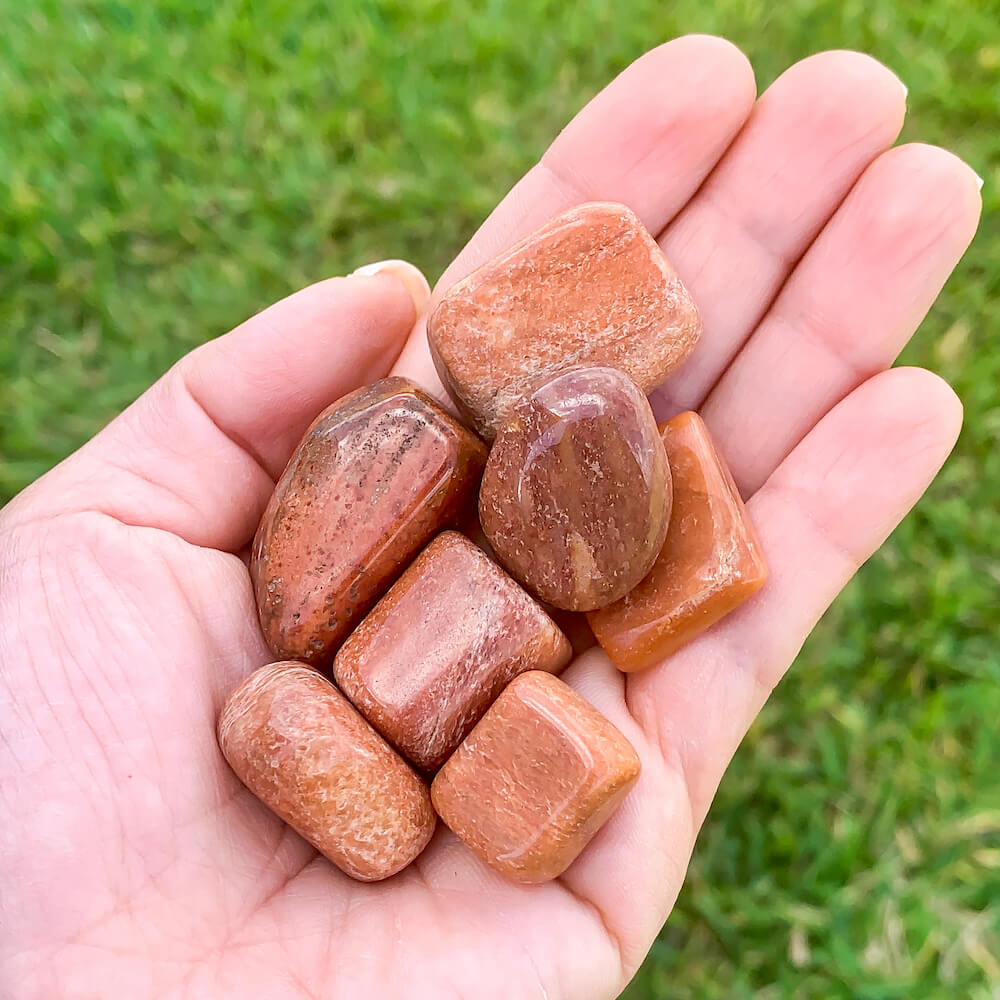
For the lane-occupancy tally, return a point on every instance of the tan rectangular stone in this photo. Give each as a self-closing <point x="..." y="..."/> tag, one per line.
<point x="590" y="287"/>
<point x="535" y="780"/>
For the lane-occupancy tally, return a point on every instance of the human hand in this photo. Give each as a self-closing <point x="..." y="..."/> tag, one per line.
<point x="131" y="859"/>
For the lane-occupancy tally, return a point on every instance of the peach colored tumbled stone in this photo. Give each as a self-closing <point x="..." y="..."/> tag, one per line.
<point x="575" y="498"/>
<point x="378" y="474"/>
<point x="436" y="651"/>
<point x="295" y="741"/>
<point x="539" y="775"/>
<point x="590" y="287"/>
<point x="711" y="561"/>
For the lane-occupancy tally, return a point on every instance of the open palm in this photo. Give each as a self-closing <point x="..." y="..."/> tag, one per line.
<point x="132" y="862"/>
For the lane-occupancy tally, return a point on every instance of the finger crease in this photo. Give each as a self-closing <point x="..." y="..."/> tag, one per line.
<point x="566" y="181"/>
<point x="601" y="919"/>
<point x="241" y="443"/>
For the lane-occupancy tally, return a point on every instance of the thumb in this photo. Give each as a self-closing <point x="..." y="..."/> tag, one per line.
<point x="197" y="454"/>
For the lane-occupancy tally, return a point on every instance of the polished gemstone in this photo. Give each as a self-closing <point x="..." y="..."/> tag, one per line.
<point x="295" y="741"/>
<point x="576" y="495"/>
<point x="535" y="780"/>
<point x="711" y="561"/>
<point x="378" y="474"/>
<point x="436" y="651"/>
<point x="590" y="287"/>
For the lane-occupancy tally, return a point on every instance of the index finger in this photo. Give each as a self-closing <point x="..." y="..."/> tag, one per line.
<point x="648" y="139"/>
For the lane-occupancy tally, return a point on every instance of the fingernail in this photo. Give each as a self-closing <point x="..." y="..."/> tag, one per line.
<point x="906" y="90"/>
<point x="410" y="276"/>
<point x="979" y="182"/>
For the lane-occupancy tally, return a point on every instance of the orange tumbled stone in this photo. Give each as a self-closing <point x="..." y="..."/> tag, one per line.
<point x="710" y="563"/>
<point x="436" y="651"/>
<point x="535" y="780"/>
<point x="297" y="743"/>
<point x="590" y="287"/>
<point x="575" y="498"/>
<point x="376" y="476"/>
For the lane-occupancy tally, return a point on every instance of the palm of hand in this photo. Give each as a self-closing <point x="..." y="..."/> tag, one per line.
<point x="151" y="847"/>
<point x="133" y="860"/>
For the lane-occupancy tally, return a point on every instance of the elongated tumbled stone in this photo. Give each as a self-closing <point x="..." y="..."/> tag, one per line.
<point x="295" y="741"/>
<point x="711" y="561"/>
<point x="575" y="498"/>
<point x="378" y="474"/>
<point x="590" y="287"/>
<point x="436" y="651"/>
<point x="535" y="780"/>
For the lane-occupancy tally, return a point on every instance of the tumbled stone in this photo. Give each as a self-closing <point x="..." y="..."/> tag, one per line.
<point x="535" y="780"/>
<point x="295" y="741"/>
<point x="378" y="474"/>
<point x="590" y="287"/>
<point x="576" y="494"/>
<point x="711" y="561"/>
<point x="436" y="651"/>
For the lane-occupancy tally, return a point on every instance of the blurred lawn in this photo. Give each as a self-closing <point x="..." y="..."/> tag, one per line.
<point x="167" y="168"/>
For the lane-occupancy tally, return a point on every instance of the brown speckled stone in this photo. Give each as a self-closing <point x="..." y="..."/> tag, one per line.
<point x="711" y="561"/>
<point x="535" y="780"/>
<point x="575" y="498"/>
<point x="378" y="474"/>
<point x="440" y="646"/>
<point x="590" y="287"/>
<point x="295" y="741"/>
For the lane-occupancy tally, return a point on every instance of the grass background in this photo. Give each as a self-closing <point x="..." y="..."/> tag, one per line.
<point x="169" y="167"/>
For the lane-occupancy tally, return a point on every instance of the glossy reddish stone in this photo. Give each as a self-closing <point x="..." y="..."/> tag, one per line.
<point x="295" y="741"/>
<point x="377" y="475"/>
<point x="436" y="651"/>
<point x="575" y="498"/>
<point x="535" y="780"/>
<point x="590" y="287"/>
<point x="711" y="561"/>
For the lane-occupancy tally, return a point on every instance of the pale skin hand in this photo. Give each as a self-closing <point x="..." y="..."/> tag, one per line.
<point x="132" y="861"/>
